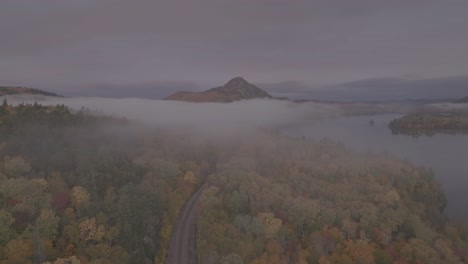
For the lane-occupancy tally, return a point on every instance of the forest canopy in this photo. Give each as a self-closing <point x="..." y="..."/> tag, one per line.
<point x="429" y="123"/>
<point x="81" y="188"/>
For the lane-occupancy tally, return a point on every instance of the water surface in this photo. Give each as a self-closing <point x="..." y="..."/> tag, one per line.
<point x="445" y="154"/>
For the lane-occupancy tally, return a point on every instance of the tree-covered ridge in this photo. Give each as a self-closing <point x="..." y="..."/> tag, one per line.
<point x="13" y="117"/>
<point x="306" y="202"/>
<point x="8" y="90"/>
<point x="427" y="122"/>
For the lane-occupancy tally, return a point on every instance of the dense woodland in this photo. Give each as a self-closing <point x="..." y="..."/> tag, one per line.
<point x="428" y="123"/>
<point x="78" y="188"/>
<point x="75" y="188"/>
<point x="295" y="201"/>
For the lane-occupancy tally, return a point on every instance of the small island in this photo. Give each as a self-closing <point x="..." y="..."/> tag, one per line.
<point x="430" y="123"/>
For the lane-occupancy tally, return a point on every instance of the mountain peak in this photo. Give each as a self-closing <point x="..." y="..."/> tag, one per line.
<point x="234" y="90"/>
<point x="237" y="81"/>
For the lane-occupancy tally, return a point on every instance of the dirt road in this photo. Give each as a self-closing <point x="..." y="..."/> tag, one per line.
<point x="182" y="245"/>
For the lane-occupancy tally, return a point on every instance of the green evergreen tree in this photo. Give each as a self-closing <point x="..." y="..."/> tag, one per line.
<point x="4" y="107"/>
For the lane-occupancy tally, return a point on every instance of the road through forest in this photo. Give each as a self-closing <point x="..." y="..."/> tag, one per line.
<point x="182" y="245"/>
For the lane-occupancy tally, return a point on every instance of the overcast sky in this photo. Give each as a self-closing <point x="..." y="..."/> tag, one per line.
<point x="105" y="47"/>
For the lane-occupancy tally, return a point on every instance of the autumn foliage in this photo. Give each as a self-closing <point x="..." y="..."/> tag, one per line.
<point x="78" y="188"/>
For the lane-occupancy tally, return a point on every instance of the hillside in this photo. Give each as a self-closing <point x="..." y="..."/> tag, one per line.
<point x="7" y="90"/>
<point x="235" y="90"/>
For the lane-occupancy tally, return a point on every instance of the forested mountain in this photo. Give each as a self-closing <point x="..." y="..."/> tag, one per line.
<point x="235" y="90"/>
<point x="79" y="188"/>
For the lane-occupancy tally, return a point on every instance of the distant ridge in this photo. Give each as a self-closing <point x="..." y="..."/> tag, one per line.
<point x="235" y="90"/>
<point x="462" y="100"/>
<point x="9" y="90"/>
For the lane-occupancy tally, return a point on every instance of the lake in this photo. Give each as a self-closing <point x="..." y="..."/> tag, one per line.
<point x="445" y="154"/>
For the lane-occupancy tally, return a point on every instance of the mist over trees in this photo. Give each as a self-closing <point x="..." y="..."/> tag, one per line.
<point x="76" y="187"/>
<point x="81" y="188"/>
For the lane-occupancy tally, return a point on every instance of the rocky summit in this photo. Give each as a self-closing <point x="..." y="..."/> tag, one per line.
<point x="235" y="90"/>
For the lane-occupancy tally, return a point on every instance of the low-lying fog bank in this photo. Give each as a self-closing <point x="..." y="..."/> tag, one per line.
<point x="450" y="106"/>
<point x="232" y="118"/>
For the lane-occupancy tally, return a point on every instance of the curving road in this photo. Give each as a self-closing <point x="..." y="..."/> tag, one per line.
<point x="182" y="245"/>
